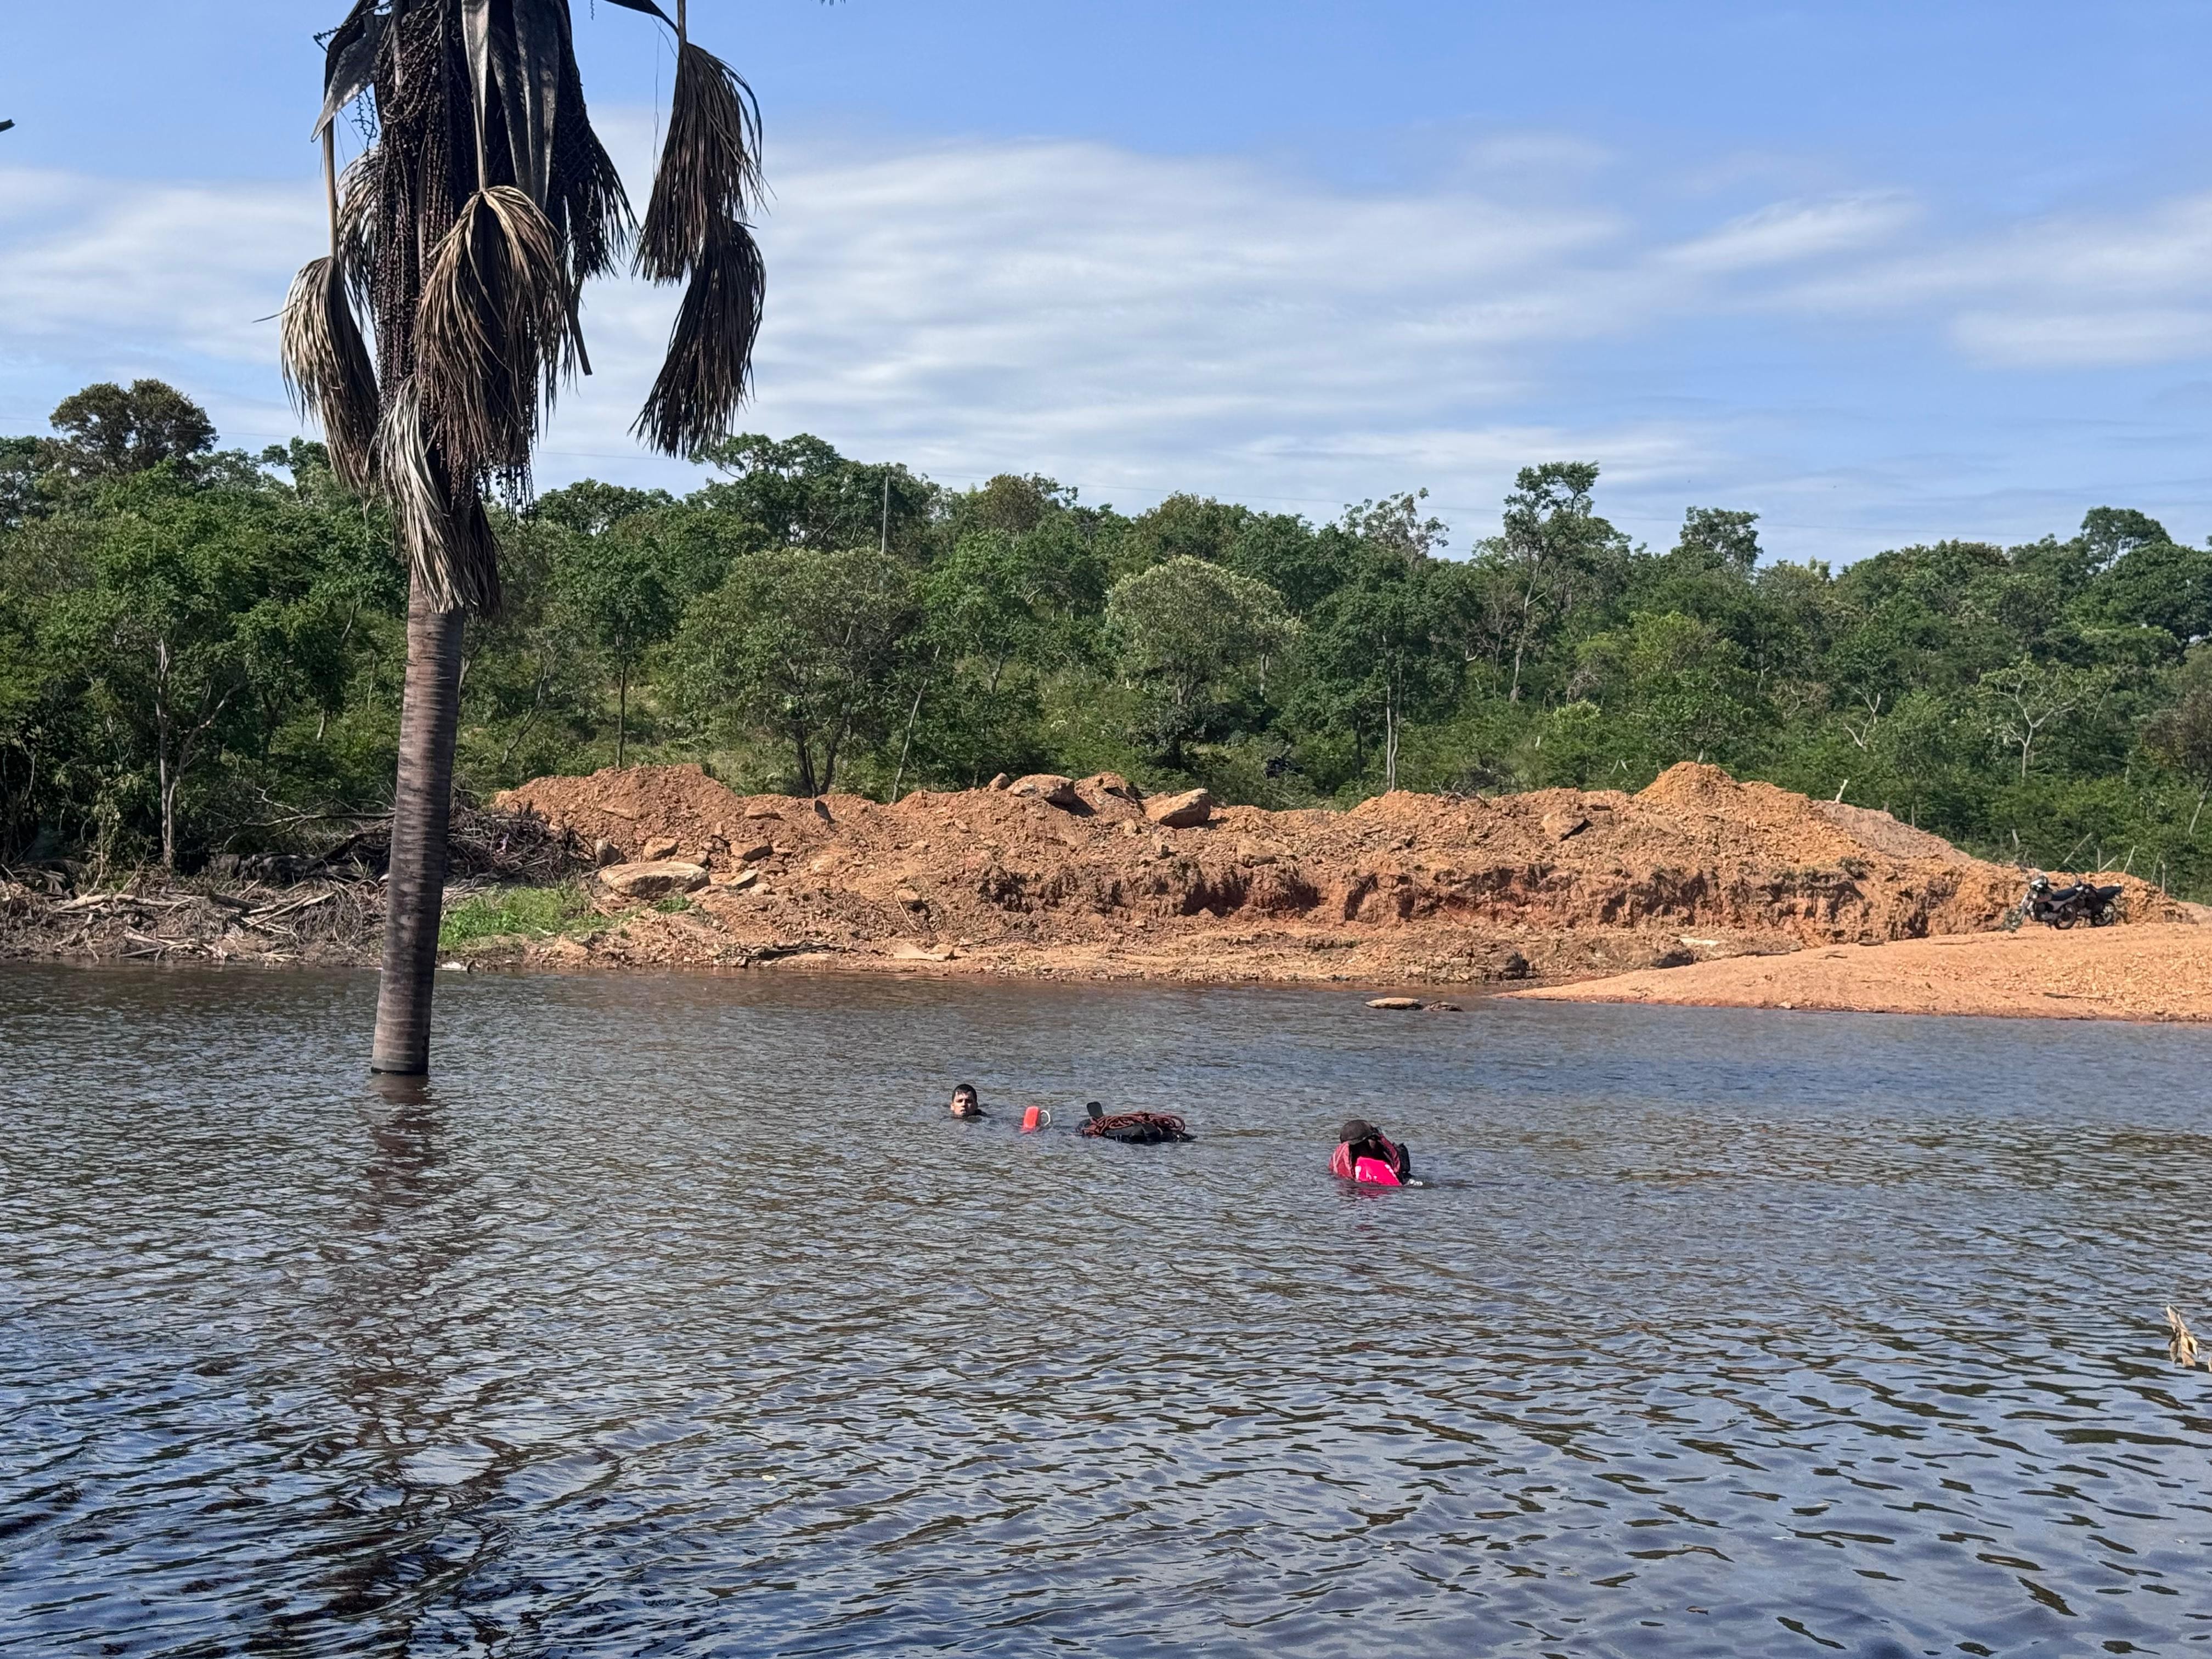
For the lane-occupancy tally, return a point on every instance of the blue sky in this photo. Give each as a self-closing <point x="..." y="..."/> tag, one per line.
<point x="1881" y="273"/>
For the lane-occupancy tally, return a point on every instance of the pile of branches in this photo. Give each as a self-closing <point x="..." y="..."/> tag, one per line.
<point x="481" y="845"/>
<point x="331" y="921"/>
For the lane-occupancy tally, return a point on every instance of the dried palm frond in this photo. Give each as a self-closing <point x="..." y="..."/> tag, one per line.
<point x="492" y="333"/>
<point x="708" y="368"/>
<point x="349" y="59"/>
<point x="328" y="371"/>
<point x="359" y="187"/>
<point x="2180" y="1346"/>
<point x="326" y="363"/>
<point x="465" y="233"/>
<point x="589" y="208"/>
<point x="450" y="549"/>
<point x="709" y="168"/>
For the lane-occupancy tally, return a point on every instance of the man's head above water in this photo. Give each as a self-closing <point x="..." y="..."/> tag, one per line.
<point x="966" y="1103"/>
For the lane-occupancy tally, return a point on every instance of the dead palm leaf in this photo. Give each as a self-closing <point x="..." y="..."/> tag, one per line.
<point x="708" y="371"/>
<point x="709" y="166"/>
<point x="452" y="555"/>
<point x="328" y="371"/>
<point x="492" y="335"/>
<point x="589" y="208"/>
<point x="325" y="362"/>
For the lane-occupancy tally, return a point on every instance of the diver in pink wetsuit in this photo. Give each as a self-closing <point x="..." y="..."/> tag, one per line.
<point x="1364" y="1154"/>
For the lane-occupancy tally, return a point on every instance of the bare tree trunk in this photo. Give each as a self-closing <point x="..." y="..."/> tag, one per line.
<point x="913" y="714"/>
<point x="1390" y="734"/>
<point x="161" y="756"/>
<point x="1520" y="643"/>
<point x="421" y="806"/>
<point x="168" y="816"/>
<point x="622" y="715"/>
<point x="804" y="742"/>
<point x="537" y="706"/>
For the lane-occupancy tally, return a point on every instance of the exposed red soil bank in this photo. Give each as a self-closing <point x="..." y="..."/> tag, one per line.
<point x="1552" y="885"/>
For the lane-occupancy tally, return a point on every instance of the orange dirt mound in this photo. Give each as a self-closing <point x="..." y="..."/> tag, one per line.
<point x="1556" y="882"/>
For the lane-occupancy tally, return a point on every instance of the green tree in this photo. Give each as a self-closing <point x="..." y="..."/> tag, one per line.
<point x="1554" y="556"/>
<point x="982" y="615"/>
<point x="1677" y="682"/>
<point x="617" y="584"/>
<point x="2181" y="736"/>
<point x="108" y="431"/>
<point x="2025" y="699"/>
<point x="800" y="492"/>
<point x="1719" y="539"/>
<point x="198" y="634"/>
<point x="801" y="646"/>
<point x="1192" y="630"/>
<point x="19" y="492"/>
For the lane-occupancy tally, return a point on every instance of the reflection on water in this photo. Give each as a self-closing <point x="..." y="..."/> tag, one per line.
<point x="673" y="1318"/>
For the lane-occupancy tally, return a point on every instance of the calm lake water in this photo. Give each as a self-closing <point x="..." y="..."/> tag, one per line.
<point x="676" y="1320"/>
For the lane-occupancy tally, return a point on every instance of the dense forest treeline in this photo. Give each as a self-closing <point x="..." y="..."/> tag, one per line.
<point x="200" y="650"/>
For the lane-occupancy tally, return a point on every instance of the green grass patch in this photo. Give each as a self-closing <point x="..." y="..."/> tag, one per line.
<point x="518" y="913"/>
<point x="674" y="905"/>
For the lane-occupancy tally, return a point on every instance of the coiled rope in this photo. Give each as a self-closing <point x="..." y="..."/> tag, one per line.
<point x="1165" y="1126"/>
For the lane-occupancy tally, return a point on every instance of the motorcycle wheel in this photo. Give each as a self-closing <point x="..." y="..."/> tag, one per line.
<point x="2106" y="917"/>
<point x="2063" y="920"/>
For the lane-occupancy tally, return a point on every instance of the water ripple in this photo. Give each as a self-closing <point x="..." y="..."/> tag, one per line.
<point x="675" y="1320"/>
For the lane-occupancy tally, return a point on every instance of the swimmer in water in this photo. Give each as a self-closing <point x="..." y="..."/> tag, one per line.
<point x="966" y="1103"/>
<point x="1364" y="1154"/>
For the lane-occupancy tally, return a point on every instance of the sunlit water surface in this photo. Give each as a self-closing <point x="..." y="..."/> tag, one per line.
<point x="676" y="1320"/>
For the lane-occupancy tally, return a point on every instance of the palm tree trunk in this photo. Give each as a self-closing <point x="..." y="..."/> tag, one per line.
<point x="415" y="891"/>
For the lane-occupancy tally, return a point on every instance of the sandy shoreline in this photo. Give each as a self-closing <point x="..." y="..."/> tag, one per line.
<point x="2154" y="972"/>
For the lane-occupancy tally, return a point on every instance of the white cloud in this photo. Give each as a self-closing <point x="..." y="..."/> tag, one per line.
<point x="1788" y="232"/>
<point x="2066" y="290"/>
<point x="1136" y="323"/>
<point x="164" y="270"/>
<point x="2061" y="339"/>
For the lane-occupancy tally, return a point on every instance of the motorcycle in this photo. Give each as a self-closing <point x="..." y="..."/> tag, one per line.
<point x="2061" y="907"/>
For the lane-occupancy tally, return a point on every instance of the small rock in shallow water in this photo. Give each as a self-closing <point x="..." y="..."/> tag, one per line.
<point x="1394" y="1002"/>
